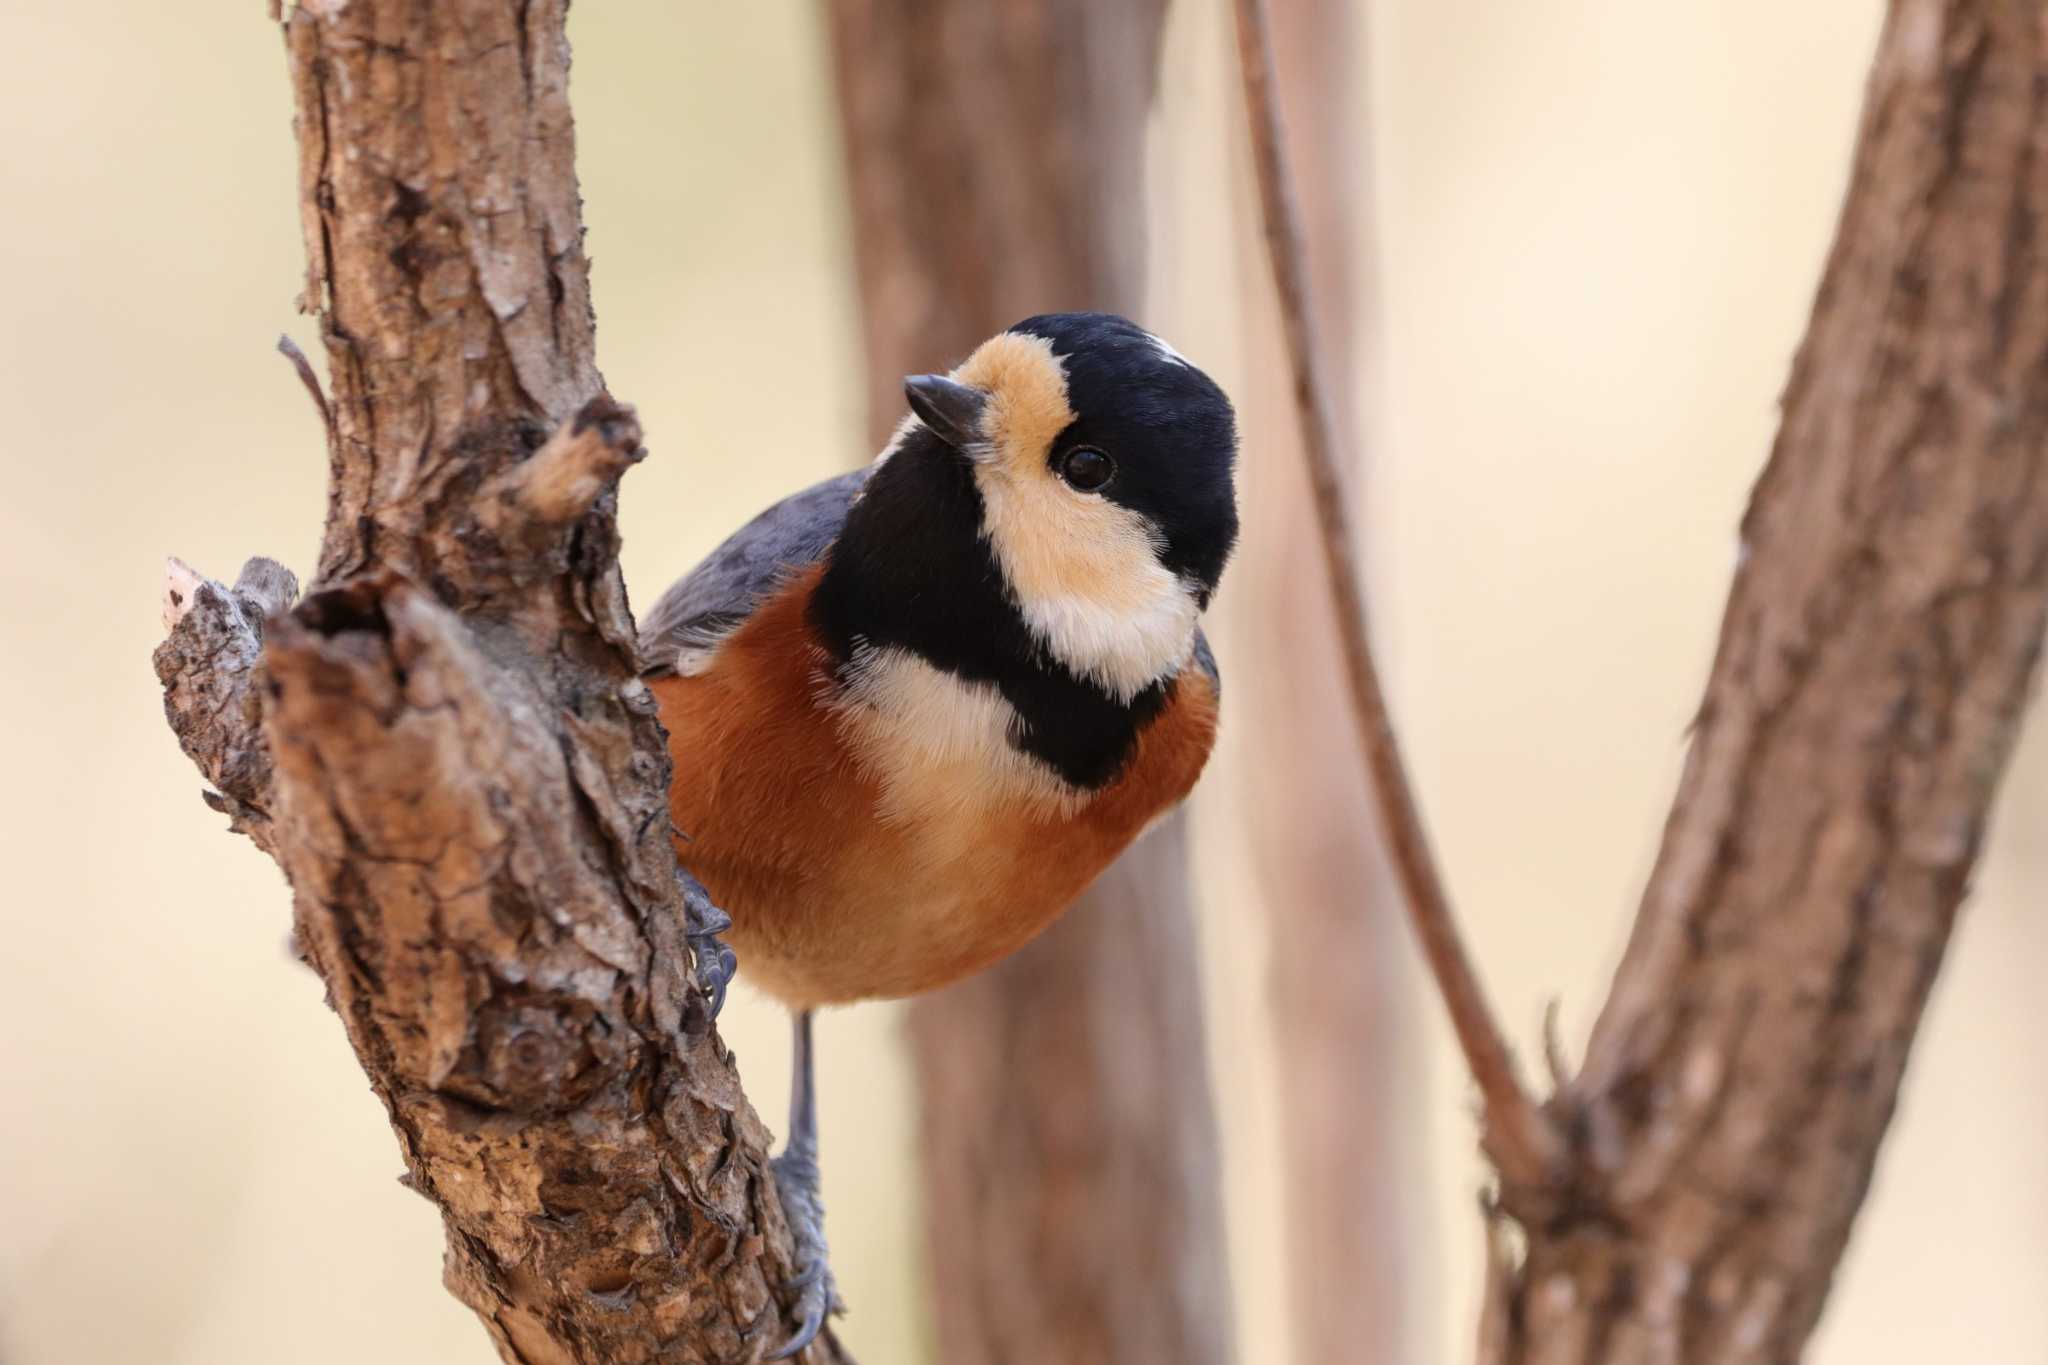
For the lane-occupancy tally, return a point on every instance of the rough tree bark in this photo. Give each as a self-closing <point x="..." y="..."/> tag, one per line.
<point x="1879" y="645"/>
<point x="1341" y="982"/>
<point x="445" y="744"/>
<point x="996" y="168"/>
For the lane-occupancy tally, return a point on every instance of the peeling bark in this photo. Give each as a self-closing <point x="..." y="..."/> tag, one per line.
<point x="446" y="745"/>
<point x="1071" y="1165"/>
<point x="1878" y="649"/>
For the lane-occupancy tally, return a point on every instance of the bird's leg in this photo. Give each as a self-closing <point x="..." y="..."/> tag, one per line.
<point x="715" y="963"/>
<point x="796" y="1177"/>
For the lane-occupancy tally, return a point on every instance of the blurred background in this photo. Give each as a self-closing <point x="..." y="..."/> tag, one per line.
<point x="1587" y="237"/>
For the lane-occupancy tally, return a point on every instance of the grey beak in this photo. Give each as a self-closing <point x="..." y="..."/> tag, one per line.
<point x="953" y="411"/>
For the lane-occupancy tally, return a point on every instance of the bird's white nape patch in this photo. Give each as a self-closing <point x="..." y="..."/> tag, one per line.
<point x="1166" y="351"/>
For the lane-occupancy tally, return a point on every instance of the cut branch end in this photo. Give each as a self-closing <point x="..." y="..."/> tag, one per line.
<point x="181" y="591"/>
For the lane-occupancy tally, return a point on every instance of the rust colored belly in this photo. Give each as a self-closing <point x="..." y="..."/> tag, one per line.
<point x="845" y="882"/>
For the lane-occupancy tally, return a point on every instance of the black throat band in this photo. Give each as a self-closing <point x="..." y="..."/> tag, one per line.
<point x="911" y="571"/>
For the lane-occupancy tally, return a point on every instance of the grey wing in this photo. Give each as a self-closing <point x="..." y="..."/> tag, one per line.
<point x="1205" y="659"/>
<point x="713" y="598"/>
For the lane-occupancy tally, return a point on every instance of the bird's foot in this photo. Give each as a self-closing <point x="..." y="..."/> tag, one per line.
<point x="816" y="1293"/>
<point x="712" y="962"/>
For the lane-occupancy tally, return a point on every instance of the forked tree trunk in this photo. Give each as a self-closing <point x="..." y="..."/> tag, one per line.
<point x="1879" y="646"/>
<point x="996" y="160"/>
<point x="1341" y="974"/>
<point x="446" y="744"/>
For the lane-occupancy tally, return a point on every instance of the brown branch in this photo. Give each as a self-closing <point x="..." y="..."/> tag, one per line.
<point x="1517" y="1135"/>
<point x="1881" y="641"/>
<point x="303" y="367"/>
<point x="446" y="744"/>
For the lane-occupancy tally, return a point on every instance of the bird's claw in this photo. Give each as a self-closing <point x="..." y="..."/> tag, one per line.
<point x="809" y="1273"/>
<point x="817" y="1293"/>
<point x="711" y="961"/>
<point x="812" y="1303"/>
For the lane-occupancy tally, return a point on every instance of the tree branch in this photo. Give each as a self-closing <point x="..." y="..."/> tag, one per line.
<point x="1517" y="1135"/>
<point x="446" y="744"/>
<point x="1880" y="643"/>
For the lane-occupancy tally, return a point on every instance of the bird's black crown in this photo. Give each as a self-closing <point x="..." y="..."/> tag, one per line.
<point x="1170" y="429"/>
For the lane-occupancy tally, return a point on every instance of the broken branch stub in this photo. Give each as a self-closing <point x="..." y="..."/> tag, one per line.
<point x="207" y="667"/>
<point x="520" y="1006"/>
<point x="477" y="842"/>
<point x="577" y="463"/>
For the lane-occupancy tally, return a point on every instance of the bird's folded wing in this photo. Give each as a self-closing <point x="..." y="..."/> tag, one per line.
<point x="713" y="598"/>
<point x="1205" y="659"/>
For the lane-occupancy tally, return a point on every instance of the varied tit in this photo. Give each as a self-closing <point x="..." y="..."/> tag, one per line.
<point x="917" y="708"/>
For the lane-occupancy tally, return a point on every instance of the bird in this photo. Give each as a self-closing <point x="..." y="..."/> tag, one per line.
<point x="914" y="710"/>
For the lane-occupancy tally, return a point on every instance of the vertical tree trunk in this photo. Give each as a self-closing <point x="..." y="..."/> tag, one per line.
<point x="1340" y="975"/>
<point x="996" y="164"/>
<point x="447" y="745"/>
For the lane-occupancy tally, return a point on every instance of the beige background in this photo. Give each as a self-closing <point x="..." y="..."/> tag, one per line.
<point x="1601" y="226"/>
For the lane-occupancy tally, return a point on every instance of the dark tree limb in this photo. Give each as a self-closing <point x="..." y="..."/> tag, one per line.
<point x="446" y="745"/>
<point x="1880" y="644"/>
<point x="1068" y="1140"/>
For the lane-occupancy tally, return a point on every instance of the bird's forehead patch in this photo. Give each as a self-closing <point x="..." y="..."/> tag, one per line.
<point x="1027" y="389"/>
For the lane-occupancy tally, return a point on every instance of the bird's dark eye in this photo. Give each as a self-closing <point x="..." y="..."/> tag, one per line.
<point x="1086" y="468"/>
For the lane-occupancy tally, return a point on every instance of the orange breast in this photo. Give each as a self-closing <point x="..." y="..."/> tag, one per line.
<point x="845" y="881"/>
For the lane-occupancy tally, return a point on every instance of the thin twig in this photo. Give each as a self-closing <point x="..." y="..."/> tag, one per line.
<point x="1519" y="1138"/>
<point x="1554" y="1058"/>
<point x="289" y="349"/>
